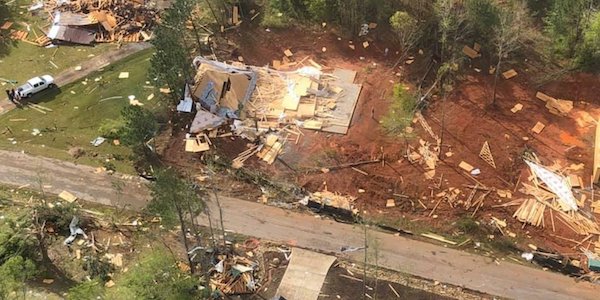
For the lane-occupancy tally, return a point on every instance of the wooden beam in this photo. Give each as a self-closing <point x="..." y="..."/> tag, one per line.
<point x="596" y="172"/>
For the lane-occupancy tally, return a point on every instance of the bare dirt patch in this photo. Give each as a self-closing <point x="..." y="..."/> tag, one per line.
<point x="469" y="121"/>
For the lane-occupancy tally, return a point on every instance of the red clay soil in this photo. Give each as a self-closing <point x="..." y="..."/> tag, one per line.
<point x="469" y="121"/>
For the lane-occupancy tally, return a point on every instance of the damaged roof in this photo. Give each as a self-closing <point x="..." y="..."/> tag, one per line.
<point x="221" y="88"/>
<point x="71" y="34"/>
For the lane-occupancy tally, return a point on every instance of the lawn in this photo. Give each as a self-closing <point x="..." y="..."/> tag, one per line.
<point x="24" y="60"/>
<point x="78" y="111"/>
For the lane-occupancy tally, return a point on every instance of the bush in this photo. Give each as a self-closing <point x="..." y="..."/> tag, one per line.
<point x="155" y="276"/>
<point x="110" y="128"/>
<point x="401" y="110"/>
<point x="98" y="268"/>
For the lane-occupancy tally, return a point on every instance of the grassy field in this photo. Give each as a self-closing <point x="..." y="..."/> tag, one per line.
<point x="78" y="111"/>
<point x="24" y="60"/>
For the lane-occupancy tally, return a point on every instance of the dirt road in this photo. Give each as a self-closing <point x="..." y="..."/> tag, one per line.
<point x="87" y="67"/>
<point x="396" y="253"/>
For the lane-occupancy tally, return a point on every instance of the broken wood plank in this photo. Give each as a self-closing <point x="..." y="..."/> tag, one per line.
<point x="360" y="171"/>
<point x="543" y="97"/>
<point x="509" y="74"/>
<point x="438" y="238"/>
<point x="470" y="52"/>
<point x="465" y="166"/>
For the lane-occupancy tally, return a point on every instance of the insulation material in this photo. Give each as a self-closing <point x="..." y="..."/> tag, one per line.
<point x="557" y="185"/>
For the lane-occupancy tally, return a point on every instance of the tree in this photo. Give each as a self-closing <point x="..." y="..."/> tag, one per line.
<point x="564" y="24"/>
<point x="589" y="53"/>
<point x="451" y="17"/>
<point x="14" y="273"/>
<point x="482" y="17"/>
<point x="351" y="14"/>
<point x="171" y="64"/>
<point x="512" y="22"/>
<point x="5" y="41"/>
<point x="140" y="126"/>
<point x="407" y="32"/>
<point x="175" y="199"/>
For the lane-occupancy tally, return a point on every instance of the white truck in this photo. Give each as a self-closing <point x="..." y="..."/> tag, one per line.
<point x="35" y="85"/>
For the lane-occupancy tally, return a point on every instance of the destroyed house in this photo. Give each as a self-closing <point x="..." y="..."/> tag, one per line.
<point x="222" y="89"/>
<point x="72" y="28"/>
<point x="307" y="96"/>
<point x="86" y="22"/>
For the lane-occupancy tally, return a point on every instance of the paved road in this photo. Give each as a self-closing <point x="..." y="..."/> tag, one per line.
<point x="20" y="169"/>
<point x="396" y="253"/>
<point x="87" y="67"/>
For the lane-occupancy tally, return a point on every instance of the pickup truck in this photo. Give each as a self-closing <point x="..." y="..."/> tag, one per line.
<point x="35" y="85"/>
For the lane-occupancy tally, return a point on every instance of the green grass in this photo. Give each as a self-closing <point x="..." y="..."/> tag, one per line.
<point x="78" y="114"/>
<point x="25" y="60"/>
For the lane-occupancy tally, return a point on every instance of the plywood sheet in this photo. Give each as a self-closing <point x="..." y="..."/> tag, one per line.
<point x="539" y="126"/>
<point x="344" y="75"/>
<point x="291" y="102"/>
<point x="304" y="275"/>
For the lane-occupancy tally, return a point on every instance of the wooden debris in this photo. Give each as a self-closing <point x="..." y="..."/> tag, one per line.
<point x="67" y="196"/>
<point x="596" y="167"/>
<point x="486" y="154"/>
<point x="426" y="126"/>
<point x="359" y="171"/>
<point x="438" y="238"/>
<point x="509" y="74"/>
<point x="465" y="166"/>
<point x="470" y="52"/>
<point x="539" y="126"/>
<point x="198" y="144"/>
<point x="516" y="108"/>
<point x="6" y="25"/>
<point x="390" y="203"/>
<point x="288" y="53"/>
<point x="543" y="97"/>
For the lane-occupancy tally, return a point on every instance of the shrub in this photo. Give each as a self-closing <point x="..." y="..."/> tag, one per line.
<point x="110" y="128"/>
<point x="401" y="110"/>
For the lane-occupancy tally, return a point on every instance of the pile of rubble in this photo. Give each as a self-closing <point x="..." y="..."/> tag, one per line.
<point x="234" y="275"/>
<point x="268" y="107"/>
<point x="88" y="21"/>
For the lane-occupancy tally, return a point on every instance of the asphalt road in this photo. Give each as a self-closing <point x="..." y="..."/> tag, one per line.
<point x="397" y="253"/>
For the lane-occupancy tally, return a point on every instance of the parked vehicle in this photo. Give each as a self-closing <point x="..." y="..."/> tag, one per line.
<point x="35" y="85"/>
